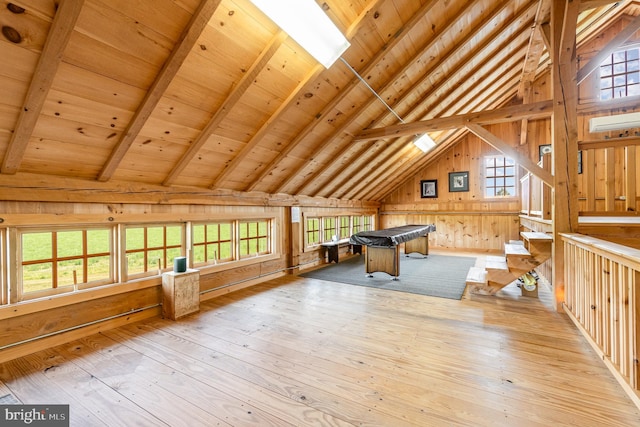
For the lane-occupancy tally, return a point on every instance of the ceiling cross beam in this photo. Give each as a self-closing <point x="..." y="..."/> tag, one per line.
<point x="60" y="32"/>
<point x="536" y="110"/>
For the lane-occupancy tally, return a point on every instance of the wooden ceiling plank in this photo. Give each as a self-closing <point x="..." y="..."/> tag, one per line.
<point x="399" y="35"/>
<point x="60" y="32"/>
<point x="605" y="52"/>
<point x="238" y="91"/>
<point x="532" y="111"/>
<point x="427" y="75"/>
<point x="511" y="152"/>
<point x="172" y="65"/>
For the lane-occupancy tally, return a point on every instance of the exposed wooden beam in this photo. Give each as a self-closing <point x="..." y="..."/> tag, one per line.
<point x="608" y="143"/>
<point x="60" y="32"/>
<point x="532" y="111"/>
<point x="592" y="4"/>
<point x="606" y="51"/>
<point x="511" y="152"/>
<point x="238" y="91"/>
<point x="564" y="131"/>
<point x="185" y="43"/>
<point x="47" y="188"/>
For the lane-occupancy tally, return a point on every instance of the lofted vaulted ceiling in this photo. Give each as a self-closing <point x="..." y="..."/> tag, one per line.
<point x="210" y="94"/>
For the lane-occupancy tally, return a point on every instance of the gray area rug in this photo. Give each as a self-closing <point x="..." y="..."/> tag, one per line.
<point x="436" y="275"/>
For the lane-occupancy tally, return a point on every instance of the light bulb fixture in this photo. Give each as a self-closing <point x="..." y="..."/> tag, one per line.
<point x="306" y="23"/>
<point x="424" y="142"/>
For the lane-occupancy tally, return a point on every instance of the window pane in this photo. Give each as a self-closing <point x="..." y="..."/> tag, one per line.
<point x="632" y="54"/>
<point x="98" y="268"/>
<point x="606" y="83"/>
<point x="135" y="238"/>
<point x="605" y="70"/>
<point x="606" y="94"/>
<point x="135" y="263"/>
<point x="619" y="81"/>
<point x="36" y="246"/>
<point x="37" y="277"/>
<point x="154" y="260"/>
<point x="633" y="90"/>
<point x="70" y="272"/>
<point x="632" y="78"/>
<point x="174" y="235"/>
<point x="198" y="233"/>
<point x="633" y="65"/>
<point x="619" y="56"/>
<point x="619" y="68"/>
<point x="69" y="243"/>
<point x="98" y="241"/>
<point x="155" y="237"/>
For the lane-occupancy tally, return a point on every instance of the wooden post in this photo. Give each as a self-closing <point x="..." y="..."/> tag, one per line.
<point x="564" y="131"/>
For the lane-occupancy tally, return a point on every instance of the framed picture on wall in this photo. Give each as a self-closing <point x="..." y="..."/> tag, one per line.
<point x="429" y="188"/>
<point x="544" y="149"/>
<point x="458" y="181"/>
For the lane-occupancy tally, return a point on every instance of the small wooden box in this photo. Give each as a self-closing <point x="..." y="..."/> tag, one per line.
<point x="180" y="293"/>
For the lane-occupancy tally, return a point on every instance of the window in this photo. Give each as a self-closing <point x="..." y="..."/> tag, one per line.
<point x="619" y="75"/>
<point x="151" y="249"/>
<point x="212" y="243"/>
<point x="312" y="232"/>
<point x="367" y="224"/>
<point x="62" y="260"/>
<point x="357" y="221"/>
<point x="329" y="228"/>
<point x="500" y="177"/>
<point x="254" y="238"/>
<point x="344" y="231"/>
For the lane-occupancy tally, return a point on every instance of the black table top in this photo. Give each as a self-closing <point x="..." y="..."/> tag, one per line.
<point x="391" y="236"/>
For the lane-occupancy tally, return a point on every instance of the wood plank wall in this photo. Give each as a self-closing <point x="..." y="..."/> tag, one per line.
<point x="464" y="220"/>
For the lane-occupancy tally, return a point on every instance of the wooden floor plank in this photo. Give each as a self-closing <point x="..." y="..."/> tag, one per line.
<point x="296" y="351"/>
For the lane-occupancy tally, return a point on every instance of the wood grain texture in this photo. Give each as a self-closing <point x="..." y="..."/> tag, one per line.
<point x="306" y="352"/>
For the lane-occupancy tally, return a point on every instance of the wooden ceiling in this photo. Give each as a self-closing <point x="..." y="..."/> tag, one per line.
<point x="210" y="94"/>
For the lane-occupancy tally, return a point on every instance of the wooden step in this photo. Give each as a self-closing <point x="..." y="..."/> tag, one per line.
<point x="536" y="236"/>
<point x="538" y="244"/>
<point x="519" y="260"/>
<point x="496" y="263"/>
<point x="477" y="282"/>
<point x="476" y="275"/>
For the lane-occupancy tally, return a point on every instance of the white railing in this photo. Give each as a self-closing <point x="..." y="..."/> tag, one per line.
<point x="602" y="296"/>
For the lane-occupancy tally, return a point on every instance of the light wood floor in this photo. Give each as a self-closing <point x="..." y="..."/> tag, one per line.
<point x="297" y="351"/>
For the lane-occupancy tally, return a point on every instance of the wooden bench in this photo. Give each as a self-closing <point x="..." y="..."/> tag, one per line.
<point x="332" y="249"/>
